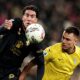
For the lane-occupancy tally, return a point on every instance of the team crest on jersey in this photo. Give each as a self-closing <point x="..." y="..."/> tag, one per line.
<point x="19" y="44"/>
<point x="16" y="48"/>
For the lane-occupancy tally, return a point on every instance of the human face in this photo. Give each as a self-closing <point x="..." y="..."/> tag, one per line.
<point x="68" y="41"/>
<point x="29" y="17"/>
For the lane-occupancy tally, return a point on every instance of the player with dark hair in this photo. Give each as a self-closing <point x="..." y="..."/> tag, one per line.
<point x="13" y="46"/>
<point x="62" y="58"/>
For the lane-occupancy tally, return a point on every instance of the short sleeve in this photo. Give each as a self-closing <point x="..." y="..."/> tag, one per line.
<point x="47" y="54"/>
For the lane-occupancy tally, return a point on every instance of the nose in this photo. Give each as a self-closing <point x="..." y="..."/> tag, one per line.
<point x="29" y="18"/>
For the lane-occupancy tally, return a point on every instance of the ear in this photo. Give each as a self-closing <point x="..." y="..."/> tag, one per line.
<point x="76" y="40"/>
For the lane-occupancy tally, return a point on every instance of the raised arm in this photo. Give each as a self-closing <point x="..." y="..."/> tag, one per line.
<point x="11" y="24"/>
<point x="5" y="26"/>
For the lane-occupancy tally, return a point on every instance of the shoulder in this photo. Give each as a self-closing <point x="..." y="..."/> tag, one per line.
<point x="78" y="49"/>
<point x="17" y="23"/>
<point x="54" y="47"/>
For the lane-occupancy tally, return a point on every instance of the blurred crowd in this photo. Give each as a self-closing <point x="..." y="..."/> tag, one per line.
<point x="55" y="15"/>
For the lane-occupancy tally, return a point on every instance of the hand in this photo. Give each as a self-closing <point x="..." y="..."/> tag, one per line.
<point x="8" y="24"/>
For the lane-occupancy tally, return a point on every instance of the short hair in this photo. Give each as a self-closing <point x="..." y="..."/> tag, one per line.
<point x="33" y="8"/>
<point x="73" y="30"/>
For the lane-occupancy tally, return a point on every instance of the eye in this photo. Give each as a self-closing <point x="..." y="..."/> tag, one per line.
<point x="27" y="15"/>
<point x="64" y="38"/>
<point x="33" y="16"/>
<point x="67" y="39"/>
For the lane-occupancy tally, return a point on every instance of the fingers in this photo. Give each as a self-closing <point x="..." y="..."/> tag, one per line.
<point x="8" y="24"/>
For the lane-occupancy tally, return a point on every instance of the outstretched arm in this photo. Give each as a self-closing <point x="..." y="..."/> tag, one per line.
<point x="40" y="63"/>
<point x="26" y="70"/>
<point x="10" y="24"/>
<point x="5" y="26"/>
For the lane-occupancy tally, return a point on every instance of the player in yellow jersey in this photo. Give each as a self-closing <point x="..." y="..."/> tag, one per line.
<point x="62" y="58"/>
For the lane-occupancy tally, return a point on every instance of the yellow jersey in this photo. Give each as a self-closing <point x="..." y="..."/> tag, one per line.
<point x="60" y="65"/>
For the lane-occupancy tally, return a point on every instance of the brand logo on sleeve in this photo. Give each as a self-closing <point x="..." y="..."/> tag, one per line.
<point x="44" y="53"/>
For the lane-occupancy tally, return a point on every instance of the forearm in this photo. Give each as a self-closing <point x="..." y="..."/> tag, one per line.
<point x="28" y="67"/>
<point x="26" y="70"/>
<point x="12" y="24"/>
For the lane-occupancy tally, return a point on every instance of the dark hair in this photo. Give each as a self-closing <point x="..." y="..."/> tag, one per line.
<point x="31" y="7"/>
<point x="73" y="30"/>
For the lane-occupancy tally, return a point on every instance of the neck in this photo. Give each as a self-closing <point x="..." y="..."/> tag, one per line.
<point x="70" y="51"/>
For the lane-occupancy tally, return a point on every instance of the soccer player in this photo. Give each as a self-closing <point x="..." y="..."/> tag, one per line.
<point x="62" y="58"/>
<point x="13" y="46"/>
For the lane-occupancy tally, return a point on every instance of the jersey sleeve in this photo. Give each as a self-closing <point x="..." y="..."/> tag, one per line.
<point x="39" y="60"/>
<point x="37" y="52"/>
<point x="3" y="30"/>
<point x="17" y="23"/>
<point x="47" y="54"/>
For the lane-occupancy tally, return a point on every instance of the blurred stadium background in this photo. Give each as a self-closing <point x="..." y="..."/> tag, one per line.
<point x="55" y="15"/>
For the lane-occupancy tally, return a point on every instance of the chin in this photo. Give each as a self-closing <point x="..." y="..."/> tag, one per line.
<point x="64" y="48"/>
